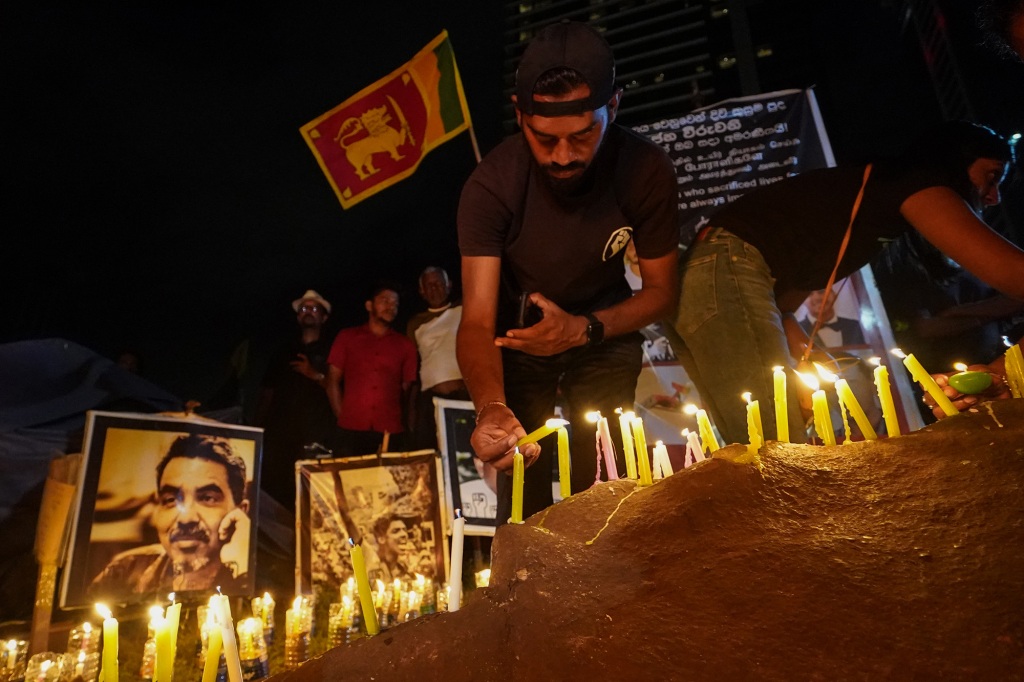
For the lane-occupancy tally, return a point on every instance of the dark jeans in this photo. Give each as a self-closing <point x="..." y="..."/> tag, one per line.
<point x="601" y="378"/>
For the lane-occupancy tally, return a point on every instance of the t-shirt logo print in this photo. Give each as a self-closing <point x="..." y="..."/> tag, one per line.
<point x="617" y="242"/>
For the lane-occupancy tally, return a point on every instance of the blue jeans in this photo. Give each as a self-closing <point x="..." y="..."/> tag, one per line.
<point x="732" y="330"/>
<point x="599" y="378"/>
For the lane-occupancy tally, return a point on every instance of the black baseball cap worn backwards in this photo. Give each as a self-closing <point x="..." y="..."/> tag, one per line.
<point x="573" y="45"/>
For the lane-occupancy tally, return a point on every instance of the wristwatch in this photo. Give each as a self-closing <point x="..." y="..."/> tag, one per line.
<point x="595" y="330"/>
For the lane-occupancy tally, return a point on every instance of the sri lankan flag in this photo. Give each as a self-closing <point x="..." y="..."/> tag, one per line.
<point x="379" y="135"/>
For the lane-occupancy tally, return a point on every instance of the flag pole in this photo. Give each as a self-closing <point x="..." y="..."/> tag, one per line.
<point x="476" y="146"/>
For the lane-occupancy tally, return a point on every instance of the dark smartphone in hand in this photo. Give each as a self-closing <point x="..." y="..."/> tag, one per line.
<point x="528" y="314"/>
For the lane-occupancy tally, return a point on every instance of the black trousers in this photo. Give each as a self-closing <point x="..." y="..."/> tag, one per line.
<point x="601" y="378"/>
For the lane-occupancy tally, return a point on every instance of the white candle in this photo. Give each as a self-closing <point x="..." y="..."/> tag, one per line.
<point x="662" y="463"/>
<point x="227" y="633"/>
<point x="604" y="444"/>
<point x="455" y="584"/>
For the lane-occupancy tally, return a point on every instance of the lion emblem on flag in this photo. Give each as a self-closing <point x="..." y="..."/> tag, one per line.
<point x="372" y="133"/>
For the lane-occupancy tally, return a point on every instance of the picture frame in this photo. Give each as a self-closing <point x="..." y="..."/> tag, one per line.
<point x="164" y="504"/>
<point x="390" y="504"/>
<point x="469" y="484"/>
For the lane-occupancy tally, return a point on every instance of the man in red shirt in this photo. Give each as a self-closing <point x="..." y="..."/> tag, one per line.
<point x="370" y="370"/>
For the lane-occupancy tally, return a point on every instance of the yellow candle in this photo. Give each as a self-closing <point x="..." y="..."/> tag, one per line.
<point x="564" y="471"/>
<point x="213" y="651"/>
<point x="781" y="405"/>
<point x="173" y="622"/>
<point x="363" y="586"/>
<point x="922" y="377"/>
<point x="640" y="441"/>
<point x="1013" y="363"/>
<point x="550" y="426"/>
<point x="892" y="423"/>
<point x="754" y="433"/>
<point x="822" y="419"/>
<point x="164" y="665"/>
<point x="856" y="411"/>
<point x="517" y="487"/>
<point x="109" y="670"/>
<point x="627" y="443"/>
<point x="707" y="433"/>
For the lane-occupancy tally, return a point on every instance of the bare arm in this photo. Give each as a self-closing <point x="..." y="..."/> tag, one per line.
<point x="560" y="331"/>
<point x="497" y="428"/>
<point x="944" y="219"/>
<point x="334" y="375"/>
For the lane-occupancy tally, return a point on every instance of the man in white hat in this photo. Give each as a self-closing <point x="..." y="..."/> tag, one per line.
<point x="293" y="407"/>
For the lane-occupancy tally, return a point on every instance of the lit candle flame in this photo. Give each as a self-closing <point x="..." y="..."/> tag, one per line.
<point x="690" y="408"/>
<point x="959" y="366"/>
<point x="593" y="416"/>
<point x="686" y="433"/>
<point x="746" y="395"/>
<point x="777" y="368"/>
<point x="898" y="353"/>
<point x="810" y="380"/>
<point x="170" y="598"/>
<point x="155" y="612"/>
<point x="825" y="374"/>
<point x="630" y="415"/>
<point x="557" y="423"/>
<point x="876" y="361"/>
<point x="104" y="611"/>
<point x="297" y="603"/>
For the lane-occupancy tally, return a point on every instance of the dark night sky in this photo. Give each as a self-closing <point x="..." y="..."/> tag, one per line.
<point x="157" y="193"/>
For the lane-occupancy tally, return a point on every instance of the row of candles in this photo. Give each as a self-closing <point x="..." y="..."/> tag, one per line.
<point x="225" y="656"/>
<point x="645" y="471"/>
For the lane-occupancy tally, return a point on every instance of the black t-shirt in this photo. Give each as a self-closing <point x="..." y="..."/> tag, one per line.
<point x="798" y="223"/>
<point x="570" y="249"/>
<point x="300" y="411"/>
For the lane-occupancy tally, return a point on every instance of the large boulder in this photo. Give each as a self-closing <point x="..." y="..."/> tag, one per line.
<point x="894" y="559"/>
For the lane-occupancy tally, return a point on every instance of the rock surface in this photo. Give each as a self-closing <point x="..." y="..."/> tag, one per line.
<point x="896" y="559"/>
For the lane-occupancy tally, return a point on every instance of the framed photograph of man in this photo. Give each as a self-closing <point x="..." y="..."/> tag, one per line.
<point x="390" y="504"/>
<point x="165" y="504"/>
<point x="469" y="484"/>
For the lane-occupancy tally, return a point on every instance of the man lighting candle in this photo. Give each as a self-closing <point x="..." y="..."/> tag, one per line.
<point x="543" y="224"/>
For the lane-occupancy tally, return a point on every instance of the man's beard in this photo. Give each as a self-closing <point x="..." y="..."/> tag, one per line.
<point x="565" y="186"/>
<point x="191" y="561"/>
<point x="190" y="564"/>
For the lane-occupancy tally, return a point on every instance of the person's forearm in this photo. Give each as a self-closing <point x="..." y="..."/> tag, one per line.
<point x="796" y="337"/>
<point x="334" y="393"/>
<point x="647" y="306"/>
<point x="994" y="308"/>
<point x="480" y="363"/>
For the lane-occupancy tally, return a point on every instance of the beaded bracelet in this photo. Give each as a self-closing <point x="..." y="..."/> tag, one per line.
<point x="486" y="405"/>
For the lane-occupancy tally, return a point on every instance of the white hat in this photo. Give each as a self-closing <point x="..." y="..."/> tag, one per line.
<point x="311" y="295"/>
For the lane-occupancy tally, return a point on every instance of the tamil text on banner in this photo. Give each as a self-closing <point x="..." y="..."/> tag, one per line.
<point x="381" y="134"/>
